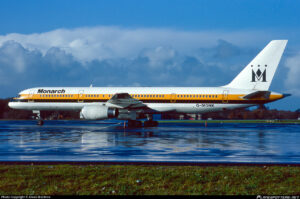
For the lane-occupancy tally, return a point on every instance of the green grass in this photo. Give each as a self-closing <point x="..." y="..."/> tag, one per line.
<point x="233" y="121"/>
<point x="132" y="180"/>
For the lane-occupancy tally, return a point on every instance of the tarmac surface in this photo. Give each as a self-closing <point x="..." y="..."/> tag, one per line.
<point x="107" y="142"/>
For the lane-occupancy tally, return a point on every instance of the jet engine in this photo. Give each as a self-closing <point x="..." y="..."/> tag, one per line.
<point x="98" y="112"/>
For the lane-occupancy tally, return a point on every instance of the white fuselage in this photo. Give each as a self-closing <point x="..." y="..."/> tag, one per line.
<point x="161" y="99"/>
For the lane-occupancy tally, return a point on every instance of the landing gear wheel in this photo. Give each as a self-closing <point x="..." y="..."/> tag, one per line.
<point x="150" y="123"/>
<point x="134" y="123"/>
<point x="40" y="122"/>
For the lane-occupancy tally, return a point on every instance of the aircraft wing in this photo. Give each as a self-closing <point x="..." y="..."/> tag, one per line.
<point x="124" y="100"/>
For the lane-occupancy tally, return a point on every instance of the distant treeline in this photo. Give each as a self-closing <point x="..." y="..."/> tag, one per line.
<point x="8" y="113"/>
<point x="260" y="113"/>
<point x="242" y="114"/>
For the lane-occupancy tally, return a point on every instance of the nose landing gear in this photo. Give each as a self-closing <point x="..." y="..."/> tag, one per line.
<point x="40" y="121"/>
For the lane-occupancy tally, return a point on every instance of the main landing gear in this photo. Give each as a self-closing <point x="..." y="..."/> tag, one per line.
<point x="135" y="123"/>
<point x="139" y="124"/>
<point x="40" y="121"/>
<point x="150" y="123"/>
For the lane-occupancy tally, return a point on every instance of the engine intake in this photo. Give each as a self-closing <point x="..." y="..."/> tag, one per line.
<point x="98" y="112"/>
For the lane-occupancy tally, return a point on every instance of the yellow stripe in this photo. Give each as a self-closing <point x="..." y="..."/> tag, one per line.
<point x="142" y="96"/>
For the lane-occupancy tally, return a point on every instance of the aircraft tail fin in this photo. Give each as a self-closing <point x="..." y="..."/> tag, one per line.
<point x="258" y="74"/>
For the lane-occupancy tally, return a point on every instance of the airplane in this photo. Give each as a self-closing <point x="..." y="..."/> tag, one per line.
<point x="249" y="88"/>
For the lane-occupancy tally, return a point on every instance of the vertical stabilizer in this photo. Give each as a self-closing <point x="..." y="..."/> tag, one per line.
<point x="258" y="74"/>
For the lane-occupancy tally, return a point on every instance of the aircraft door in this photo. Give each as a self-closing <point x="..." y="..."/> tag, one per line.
<point x="80" y="95"/>
<point x="225" y="96"/>
<point x="173" y="98"/>
<point x="31" y="93"/>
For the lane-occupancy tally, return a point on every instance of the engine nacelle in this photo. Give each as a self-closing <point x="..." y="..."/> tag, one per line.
<point x="98" y="112"/>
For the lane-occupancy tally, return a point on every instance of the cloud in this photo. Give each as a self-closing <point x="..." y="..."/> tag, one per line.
<point x="13" y="56"/>
<point x="108" y="42"/>
<point x="292" y="81"/>
<point x="116" y="56"/>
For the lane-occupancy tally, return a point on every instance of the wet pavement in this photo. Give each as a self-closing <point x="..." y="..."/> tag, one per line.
<point x="169" y="142"/>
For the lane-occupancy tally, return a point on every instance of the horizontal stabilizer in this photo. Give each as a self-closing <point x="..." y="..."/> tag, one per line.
<point x="257" y="94"/>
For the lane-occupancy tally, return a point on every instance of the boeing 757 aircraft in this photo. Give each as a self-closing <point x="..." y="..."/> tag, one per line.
<point x="249" y="88"/>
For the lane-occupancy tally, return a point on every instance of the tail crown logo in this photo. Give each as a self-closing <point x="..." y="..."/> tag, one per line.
<point x="259" y="75"/>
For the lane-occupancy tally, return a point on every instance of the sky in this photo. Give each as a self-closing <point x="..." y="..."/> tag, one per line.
<point x="144" y="43"/>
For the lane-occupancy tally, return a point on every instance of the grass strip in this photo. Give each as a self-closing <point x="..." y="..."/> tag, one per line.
<point x="153" y="180"/>
<point x="234" y="121"/>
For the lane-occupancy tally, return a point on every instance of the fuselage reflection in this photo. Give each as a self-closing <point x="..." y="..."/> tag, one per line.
<point x="79" y="141"/>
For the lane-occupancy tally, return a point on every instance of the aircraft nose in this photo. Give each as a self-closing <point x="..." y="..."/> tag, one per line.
<point x="10" y="104"/>
<point x="13" y="105"/>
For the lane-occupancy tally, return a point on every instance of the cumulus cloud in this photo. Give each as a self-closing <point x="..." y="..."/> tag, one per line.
<point x="12" y="55"/>
<point x="99" y="43"/>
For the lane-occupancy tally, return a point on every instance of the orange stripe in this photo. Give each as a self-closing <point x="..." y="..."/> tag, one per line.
<point x="143" y="96"/>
